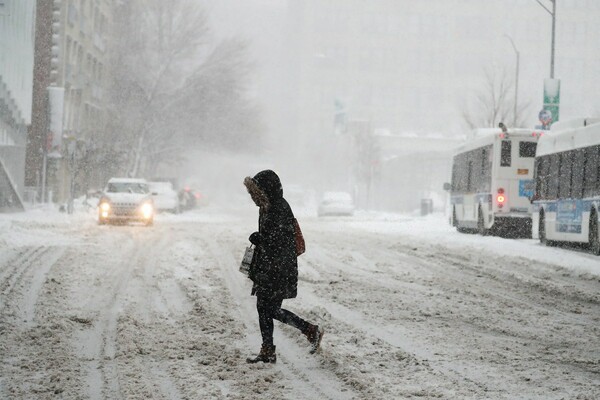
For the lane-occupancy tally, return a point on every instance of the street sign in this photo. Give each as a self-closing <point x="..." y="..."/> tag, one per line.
<point x="545" y="117"/>
<point x="551" y="100"/>
<point x="339" y="121"/>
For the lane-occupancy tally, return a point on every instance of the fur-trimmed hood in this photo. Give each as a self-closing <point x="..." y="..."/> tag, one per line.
<point x="264" y="188"/>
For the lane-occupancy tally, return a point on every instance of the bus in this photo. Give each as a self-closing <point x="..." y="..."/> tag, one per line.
<point x="566" y="203"/>
<point x="492" y="182"/>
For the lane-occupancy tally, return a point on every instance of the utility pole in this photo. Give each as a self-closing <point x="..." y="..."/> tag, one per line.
<point x="553" y="15"/>
<point x="516" y="80"/>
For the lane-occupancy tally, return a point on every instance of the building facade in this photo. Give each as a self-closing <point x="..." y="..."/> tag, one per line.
<point x="69" y="99"/>
<point x="420" y="67"/>
<point x="17" y="21"/>
<point x="413" y="66"/>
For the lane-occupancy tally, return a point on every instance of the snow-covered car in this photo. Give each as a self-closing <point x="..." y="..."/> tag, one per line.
<point x="336" y="203"/>
<point x="165" y="197"/>
<point x="126" y="199"/>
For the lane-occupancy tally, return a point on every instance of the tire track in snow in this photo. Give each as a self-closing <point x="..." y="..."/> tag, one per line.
<point x="301" y="370"/>
<point x="15" y="268"/>
<point x="395" y="336"/>
<point x="8" y="263"/>
<point x="99" y="343"/>
<point x="323" y="258"/>
<point x="508" y="286"/>
<point x="496" y="282"/>
<point x="14" y="279"/>
<point x="37" y="282"/>
<point x="153" y="279"/>
<point x="444" y="265"/>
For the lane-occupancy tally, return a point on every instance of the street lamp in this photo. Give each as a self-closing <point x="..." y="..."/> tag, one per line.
<point x="553" y="14"/>
<point x="516" y="80"/>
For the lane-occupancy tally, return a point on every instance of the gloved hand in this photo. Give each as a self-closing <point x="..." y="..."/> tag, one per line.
<point x="255" y="238"/>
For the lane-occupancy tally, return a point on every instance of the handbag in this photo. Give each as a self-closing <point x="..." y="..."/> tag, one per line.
<point x="247" y="260"/>
<point x="299" y="238"/>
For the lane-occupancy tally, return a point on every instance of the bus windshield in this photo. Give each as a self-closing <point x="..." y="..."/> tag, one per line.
<point x="127" y="187"/>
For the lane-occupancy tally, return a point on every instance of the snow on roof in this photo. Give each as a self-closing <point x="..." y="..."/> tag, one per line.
<point x="486" y="136"/>
<point x="498" y="131"/>
<point x="573" y="123"/>
<point x="126" y="180"/>
<point x="572" y="137"/>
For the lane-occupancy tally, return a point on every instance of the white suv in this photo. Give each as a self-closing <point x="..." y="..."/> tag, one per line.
<point x="126" y="199"/>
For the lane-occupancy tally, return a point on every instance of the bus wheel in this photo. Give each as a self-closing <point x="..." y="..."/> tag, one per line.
<point x="542" y="230"/>
<point x="481" y="225"/>
<point x="454" y="222"/>
<point x="593" y="236"/>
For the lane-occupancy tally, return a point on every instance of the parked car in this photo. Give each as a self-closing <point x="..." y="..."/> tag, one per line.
<point x="126" y="199"/>
<point x="190" y="198"/>
<point x="336" y="203"/>
<point x="165" y="197"/>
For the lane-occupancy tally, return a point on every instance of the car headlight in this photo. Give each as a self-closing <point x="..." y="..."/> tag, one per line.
<point x="104" y="209"/>
<point x="147" y="210"/>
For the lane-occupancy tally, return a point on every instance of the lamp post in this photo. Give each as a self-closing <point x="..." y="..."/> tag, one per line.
<point x="516" y="80"/>
<point x="553" y="15"/>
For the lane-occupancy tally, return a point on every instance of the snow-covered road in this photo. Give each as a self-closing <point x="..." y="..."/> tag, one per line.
<point x="410" y="307"/>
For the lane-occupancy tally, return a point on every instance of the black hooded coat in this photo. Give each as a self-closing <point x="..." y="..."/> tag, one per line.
<point x="275" y="267"/>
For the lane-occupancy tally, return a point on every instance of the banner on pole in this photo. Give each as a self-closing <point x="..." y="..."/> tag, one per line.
<point x="552" y="99"/>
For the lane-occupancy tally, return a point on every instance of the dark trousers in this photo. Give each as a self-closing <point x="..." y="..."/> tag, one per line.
<point x="270" y="309"/>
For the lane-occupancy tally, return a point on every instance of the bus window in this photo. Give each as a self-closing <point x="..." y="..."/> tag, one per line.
<point x="469" y="176"/>
<point x="542" y="167"/>
<point x="527" y="149"/>
<point x="505" y="156"/>
<point x="485" y="183"/>
<point x="454" y="185"/>
<point x="590" y="174"/>
<point x="553" y="176"/>
<point x="566" y="170"/>
<point x="474" y="163"/>
<point x="459" y="178"/>
<point x="578" y="168"/>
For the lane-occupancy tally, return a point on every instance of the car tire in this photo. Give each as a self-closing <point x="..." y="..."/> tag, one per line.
<point x="481" y="224"/>
<point x="454" y="221"/>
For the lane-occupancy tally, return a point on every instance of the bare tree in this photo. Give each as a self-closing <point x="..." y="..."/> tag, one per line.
<point x="173" y="87"/>
<point x="494" y="102"/>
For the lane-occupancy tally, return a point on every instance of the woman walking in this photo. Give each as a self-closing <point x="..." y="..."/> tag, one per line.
<point x="274" y="271"/>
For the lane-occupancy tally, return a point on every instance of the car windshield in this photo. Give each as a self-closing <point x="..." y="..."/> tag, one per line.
<point x="337" y="198"/>
<point x="127" y="187"/>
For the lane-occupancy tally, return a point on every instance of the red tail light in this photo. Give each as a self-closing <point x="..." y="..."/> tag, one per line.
<point x="500" y="198"/>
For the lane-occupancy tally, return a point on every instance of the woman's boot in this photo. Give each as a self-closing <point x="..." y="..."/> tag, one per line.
<point x="314" y="334"/>
<point x="266" y="355"/>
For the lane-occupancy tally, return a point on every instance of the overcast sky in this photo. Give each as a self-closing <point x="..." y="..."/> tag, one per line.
<point x="446" y="43"/>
